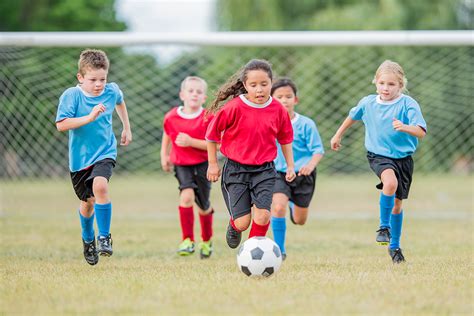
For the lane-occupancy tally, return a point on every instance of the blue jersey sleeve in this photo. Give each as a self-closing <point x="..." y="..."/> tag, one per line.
<point x="356" y="112"/>
<point x="314" y="143"/>
<point x="118" y="93"/>
<point x="414" y="115"/>
<point x="67" y="105"/>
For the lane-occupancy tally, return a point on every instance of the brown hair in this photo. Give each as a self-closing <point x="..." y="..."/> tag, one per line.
<point x="284" y="82"/>
<point x="235" y="84"/>
<point x="92" y="58"/>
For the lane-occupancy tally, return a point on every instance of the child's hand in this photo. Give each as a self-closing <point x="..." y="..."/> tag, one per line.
<point x="96" y="110"/>
<point x="290" y="174"/>
<point x="183" y="140"/>
<point x="398" y="125"/>
<point x="306" y="170"/>
<point x="126" y="137"/>
<point x="336" y="142"/>
<point x="166" y="164"/>
<point x="213" y="172"/>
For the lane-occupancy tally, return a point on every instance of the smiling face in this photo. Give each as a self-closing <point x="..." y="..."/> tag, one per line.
<point x="93" y="81"/>
<point x="193" y="95"/>
<point x="258" y="85"/>
<point x="388" y="86"/>
<point x="286" y="96"/>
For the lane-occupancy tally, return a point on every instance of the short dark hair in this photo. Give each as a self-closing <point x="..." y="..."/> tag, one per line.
<point x="284" y="82"/>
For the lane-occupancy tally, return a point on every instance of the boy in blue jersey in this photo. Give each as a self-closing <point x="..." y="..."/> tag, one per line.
<point x="393" y="124"/>
<point x="308" y="151"/>
<point x="86" y="112"/>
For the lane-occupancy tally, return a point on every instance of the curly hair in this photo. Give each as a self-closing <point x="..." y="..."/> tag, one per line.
<point x="92" y="59"/>
<point x="235" y="84"/>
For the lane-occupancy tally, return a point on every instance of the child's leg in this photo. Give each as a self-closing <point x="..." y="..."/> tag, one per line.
<point x="300" y="214"/>
<point x="396" y="222"/>
<point x="206" y="218"/>
<point x="387" y="197"/>
<point x="186" y="213"/>
<point x="103" y="206"/>
<point x="279" y="205"/>
<point x="260" y="223"/>
<point x="86" y="215"/>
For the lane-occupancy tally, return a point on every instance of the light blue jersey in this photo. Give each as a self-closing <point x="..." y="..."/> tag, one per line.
<point x="96" y="140"/>
<point x="306" y="143"/>
<point x="380" y="136"/>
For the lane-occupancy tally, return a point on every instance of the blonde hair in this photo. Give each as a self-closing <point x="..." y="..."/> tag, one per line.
<point x="193" y="78"/>
<point x="92" y="58"/>
<point x="392" y="67"/>
<point x="235" y="84"/>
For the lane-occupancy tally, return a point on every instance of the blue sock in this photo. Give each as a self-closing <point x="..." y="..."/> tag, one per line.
<point x="279" y="232"/>
<point x="87" y="224"/>
<point x="386" y="205"/>
<point x="396" y="221"/>
<point x="103" y="213"/>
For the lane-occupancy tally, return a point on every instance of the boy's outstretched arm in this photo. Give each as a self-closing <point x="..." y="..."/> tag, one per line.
<point x="213" y="171"/>
<point x="122" y="112"/>
<point x="287" y="150"/>
<point x="336" y="139"/>
<point x="76" y="122"/>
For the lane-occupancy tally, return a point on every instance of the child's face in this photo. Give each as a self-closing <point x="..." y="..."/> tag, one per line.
<point x="388" y="86"/>
<point x="258" y="86"/>
<point x="93" y="81"/>
<point x="287" y="97"/>
<point x="193" y="95"/>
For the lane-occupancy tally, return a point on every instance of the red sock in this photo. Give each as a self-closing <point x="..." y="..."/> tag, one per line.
<point x="206" y="225"/>
<point x="258" y="230"/>
<point x="231" y="221"/>
<point x="186" y="218"/>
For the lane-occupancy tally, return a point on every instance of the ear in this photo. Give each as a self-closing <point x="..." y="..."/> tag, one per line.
<point x="181" y="95"/>
<point x="296" y="100"/>
<point x="80" y="78"/>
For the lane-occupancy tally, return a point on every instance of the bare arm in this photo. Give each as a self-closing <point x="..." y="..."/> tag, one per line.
<point x="184" y="140"/>
<point x="336" y="139"/>
<point x="416" y="131"/>
<point x="312" y="164"/>
<point x="213" y="171"/>
<point x="165" y="152"/>
<point x="76" y="122"/>
<point x="287" y="150"/>
<point x="126" y="137"/>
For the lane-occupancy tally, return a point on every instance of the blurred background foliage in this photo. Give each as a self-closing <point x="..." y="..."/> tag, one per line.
<point x="330" y="79"/>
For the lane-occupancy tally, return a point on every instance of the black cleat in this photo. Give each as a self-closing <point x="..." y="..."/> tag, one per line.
<point x="283" y="256"/>
<point x="397" y="255"/>
<point x="233" y="237"/>
<point x="90" y="252"/>
<point x="383" y="236"/>
<point x="105" y="245"/>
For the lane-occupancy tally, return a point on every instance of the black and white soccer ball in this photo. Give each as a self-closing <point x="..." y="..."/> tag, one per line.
<point x="259" y="256"/>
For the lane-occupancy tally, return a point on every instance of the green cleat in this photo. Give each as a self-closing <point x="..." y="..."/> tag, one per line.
<point x="186" y="247"/>
<point x="205" y="249"/>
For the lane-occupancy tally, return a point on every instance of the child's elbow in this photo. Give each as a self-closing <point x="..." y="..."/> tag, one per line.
<point x="60" y="127"/>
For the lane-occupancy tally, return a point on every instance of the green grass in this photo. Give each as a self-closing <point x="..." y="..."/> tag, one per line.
<point x="334" y="265"/>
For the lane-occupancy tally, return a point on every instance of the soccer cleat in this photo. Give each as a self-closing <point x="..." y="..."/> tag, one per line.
<point x="104" y="244"/>
<point x="205" y="249"/>
<point x="186" y="247"/>
<point x="397" y="255"/>
<point x="283" y="256"/>
<point x="90" y="252"/>
<point x="233" y="237"/>
<point x="383" y="236"/>
<point x="291" y="206"/>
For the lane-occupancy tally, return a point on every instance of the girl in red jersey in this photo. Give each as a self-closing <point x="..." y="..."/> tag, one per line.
<point x="247" y="127"/>
<point x="183" y="146"/>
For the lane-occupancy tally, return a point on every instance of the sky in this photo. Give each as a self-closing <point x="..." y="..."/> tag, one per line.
<point x="166" y="16"/>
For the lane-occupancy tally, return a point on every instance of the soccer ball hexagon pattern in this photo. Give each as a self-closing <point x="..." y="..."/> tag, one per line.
<point x="259" y="256"/>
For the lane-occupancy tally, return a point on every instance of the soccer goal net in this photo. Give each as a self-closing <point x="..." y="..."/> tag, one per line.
<point x="333" y="71"/>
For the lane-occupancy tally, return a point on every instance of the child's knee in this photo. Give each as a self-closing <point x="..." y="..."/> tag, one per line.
<point x="100" y="187"/>
<point x="278" y="209"/>
<point x="186" y="197"/>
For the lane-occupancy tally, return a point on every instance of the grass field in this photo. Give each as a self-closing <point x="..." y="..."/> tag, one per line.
<point x="334" y="265"/>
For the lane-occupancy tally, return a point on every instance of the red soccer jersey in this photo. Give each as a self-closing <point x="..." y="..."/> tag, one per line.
<point x="250" y="131"/>
<point x="194" y="125"/>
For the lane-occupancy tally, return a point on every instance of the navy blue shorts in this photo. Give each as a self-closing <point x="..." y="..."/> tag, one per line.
<point x="82" y="179"/>
<point x="195" y="177"/>
<point x="300" y="191"/>
<point x="246" y="185"/>
<point x="403" y="169"/>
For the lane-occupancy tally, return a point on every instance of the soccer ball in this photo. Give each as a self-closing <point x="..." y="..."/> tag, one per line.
<point x="259" y="256"/>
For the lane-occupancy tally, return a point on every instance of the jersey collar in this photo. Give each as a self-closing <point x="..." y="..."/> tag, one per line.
<point x="189" y="116"/>
<point x="255" y="105"/>
<point x="293" y="120"/>
<point x="380" y="101"/>
<point x="88" y="94"/>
